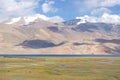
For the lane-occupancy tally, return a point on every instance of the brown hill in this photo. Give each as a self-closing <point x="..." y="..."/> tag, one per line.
<point x="46" y="37"/>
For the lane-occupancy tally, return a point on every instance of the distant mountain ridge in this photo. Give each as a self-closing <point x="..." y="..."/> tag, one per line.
<point x="39" y="35"/>
<point x="26" y="19"/>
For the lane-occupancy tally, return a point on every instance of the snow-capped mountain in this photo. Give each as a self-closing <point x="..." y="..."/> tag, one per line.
<point x="105" y="18"/>
<point x="39" y="35"/>
<point x="76" y="21"/>
<point x="72" y="22"/>
<point x="28" y="19"/>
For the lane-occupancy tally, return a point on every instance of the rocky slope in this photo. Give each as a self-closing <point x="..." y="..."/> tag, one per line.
<point x="72" y="37"/>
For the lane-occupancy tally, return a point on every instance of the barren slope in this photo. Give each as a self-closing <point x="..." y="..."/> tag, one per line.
<point x="45" y="37"/>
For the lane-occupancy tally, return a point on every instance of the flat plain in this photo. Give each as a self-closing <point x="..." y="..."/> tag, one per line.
<point x="59" y="68"/>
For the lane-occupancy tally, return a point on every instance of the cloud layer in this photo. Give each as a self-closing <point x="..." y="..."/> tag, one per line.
<point x="32" y="18"/>
<point x="14" y="8"/>
<point x="48" y="7"/>
<point x="96" y="6"/>
<point x="105" y="18"/>
<point x="100" y="8"/>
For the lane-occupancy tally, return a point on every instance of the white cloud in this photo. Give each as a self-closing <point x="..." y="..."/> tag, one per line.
<point x="100" y="11"/>
<point x="48" y="7"/>
<point x="56" y="19"/>
<point x="15" y="8"/>
<point x="105" y="18"/>
<point x="109" y="3"/>
<point x="109" y="18"/>
<point x="90" y="3"/>
<point x="32" y="18"/>
<point x="100" y="3"/>
<point x="96" y="6"/>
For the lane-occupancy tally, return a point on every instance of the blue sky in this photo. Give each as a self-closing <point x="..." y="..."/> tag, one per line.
<point x="66" y="9"/>
<point x="69" y="9"/>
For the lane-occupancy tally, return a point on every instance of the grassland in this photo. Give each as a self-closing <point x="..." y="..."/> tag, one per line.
<point x="76" y="68"/>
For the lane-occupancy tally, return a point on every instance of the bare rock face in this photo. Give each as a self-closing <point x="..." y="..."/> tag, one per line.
<point x="68" y="37"/>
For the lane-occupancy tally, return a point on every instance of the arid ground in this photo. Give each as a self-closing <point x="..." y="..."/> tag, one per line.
<point x="60" y="68"/>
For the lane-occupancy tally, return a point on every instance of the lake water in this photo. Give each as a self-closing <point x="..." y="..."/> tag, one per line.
<point x="60" y="55"/>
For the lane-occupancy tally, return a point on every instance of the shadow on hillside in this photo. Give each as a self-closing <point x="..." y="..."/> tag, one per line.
<point x="36" y="44"/>
<point x="108" y="49"/>
<point x="85" y="27"/>
<point x="78" y="44"/>
<point x="115" y="41"/>
<point x="117" y="49"/>
<point x="112" y="50"/>
<point x="54" y="29"/>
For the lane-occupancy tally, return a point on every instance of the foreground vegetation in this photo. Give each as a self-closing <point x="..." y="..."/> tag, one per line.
<point x="76" y="68"/>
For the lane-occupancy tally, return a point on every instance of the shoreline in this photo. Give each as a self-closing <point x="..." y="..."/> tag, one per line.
<point x="60" y="55"/>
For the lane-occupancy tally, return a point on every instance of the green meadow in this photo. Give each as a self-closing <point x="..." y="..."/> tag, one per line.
<point x="60" y="68"/>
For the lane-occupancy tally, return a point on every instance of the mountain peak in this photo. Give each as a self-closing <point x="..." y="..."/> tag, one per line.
<point x="13" y="20"/>
<point x="27" y="19"/>
<point x="82" y="19"/>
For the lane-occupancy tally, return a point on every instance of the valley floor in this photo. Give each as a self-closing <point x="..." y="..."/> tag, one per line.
<point x="60" y="68"/>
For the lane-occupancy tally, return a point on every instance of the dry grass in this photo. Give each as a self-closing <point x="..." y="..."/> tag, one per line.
<point x="79" y="68"/>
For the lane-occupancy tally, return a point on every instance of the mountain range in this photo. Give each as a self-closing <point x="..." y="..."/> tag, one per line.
<point x="41" y="35"/>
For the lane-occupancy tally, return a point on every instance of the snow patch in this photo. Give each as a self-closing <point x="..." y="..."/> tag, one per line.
<point x="56" y="19"/>
<point x="32" y="18"/>
<point x="82" y="19"/>
<point x="29" y="19"/>
<point x="14" y="20"/>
